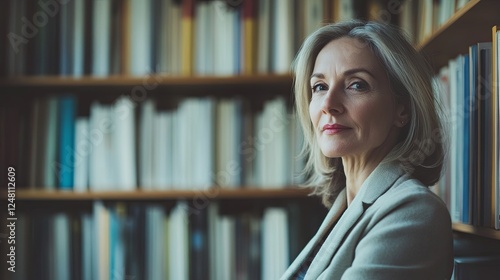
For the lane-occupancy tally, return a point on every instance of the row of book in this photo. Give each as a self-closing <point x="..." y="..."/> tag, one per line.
<point x="153" y="241"/>
<point x="470" y="94"/>
<point x="137" y="37"/>
<point x="195" y="144"/>
<point x="421" y="18"/>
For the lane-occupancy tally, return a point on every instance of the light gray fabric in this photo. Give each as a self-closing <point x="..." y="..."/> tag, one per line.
<point x="395" y="228"/>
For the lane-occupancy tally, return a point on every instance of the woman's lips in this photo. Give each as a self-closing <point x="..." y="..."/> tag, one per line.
<point x="334" y="128"/>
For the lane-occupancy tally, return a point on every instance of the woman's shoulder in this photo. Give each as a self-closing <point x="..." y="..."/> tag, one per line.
<point x="410" y="194"/>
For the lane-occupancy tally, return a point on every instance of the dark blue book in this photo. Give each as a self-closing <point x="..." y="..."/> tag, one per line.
<point x="466" y="146"/>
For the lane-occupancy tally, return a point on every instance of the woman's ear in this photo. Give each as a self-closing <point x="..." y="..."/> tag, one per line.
<point x="402" y="114"/>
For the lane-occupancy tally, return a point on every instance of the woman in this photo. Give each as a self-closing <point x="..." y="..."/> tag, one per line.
<point x="365" y="100"/>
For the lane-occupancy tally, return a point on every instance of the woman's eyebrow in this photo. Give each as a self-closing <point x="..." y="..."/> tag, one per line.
<point x="358" y="70"/>
<point x="346" y="73"/>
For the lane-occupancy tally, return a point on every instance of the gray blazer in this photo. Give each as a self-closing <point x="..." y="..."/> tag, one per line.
<point x="395" y="228"/>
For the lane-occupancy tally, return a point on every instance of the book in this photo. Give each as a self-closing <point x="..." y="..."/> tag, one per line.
<point x="141" y="37"/>
<point x="495" y="185"/>
<point x="179" y="242"/>
<point x="50" y="143"/>
<point x="100" y="251"/>
<point x="250" y="36"/>
<point x="206" y="11"/>
<point x="82" y="152"/>
<point x="67" y="16"/>
<point x="101" y="173"/>
<point x="274" y="243"/>
<point x="264" y="36"/>
<point x="62" y="246"/>
<point x="78" y="37"/>
<point x="282" y="38"/>
<point x="482" y="114"/>
<point x="123" y="144"/>
<point x="66" y="163"/>
<point x="187" y="36"/>
<point x="155" y="256"/>
<point x="101" y="34"/>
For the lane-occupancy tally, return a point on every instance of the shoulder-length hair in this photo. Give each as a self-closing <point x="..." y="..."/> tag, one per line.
<point x="420" y="150"/>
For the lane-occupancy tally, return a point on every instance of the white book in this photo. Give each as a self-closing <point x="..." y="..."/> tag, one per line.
<point x="179" y="242"/>
<point x="123" y="117"/>
<point x="161" y="155"/>
<point x="62" y="246"/>
<point x="227" y="243"/>
<point x="271" y="145"/>
<point x="283" y="36"/>
<point x="260" y="149"/>
<point x="177" y="155"/>
<point x="225" y="38"/>
<point x="278" y="126"/>
<point x="180" y="145"/>
<point x="297" y="161"/>
<point x="146" y="148"/>
<point x="229" y="123"/>
<point x="101" y="41"/>
<point x="101" y="175"/>
<point x="141" y="32"/>
<point x="155" y="256"/>
<point x="204" y="33"/>
<point x="185" y="143"/>
<point x="275" y="250"/>
<point x="221" y="236"/>
<point x="204" y="160"/>
<point x="82" y="154"/>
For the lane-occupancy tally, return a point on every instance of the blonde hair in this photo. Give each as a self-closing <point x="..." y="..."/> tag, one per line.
<point x="420" y="150"/>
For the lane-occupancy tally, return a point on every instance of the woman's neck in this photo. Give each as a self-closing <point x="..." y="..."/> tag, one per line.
<point x="357" y="169"/>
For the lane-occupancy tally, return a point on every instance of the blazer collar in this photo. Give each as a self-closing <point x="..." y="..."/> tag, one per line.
<point x="377" y="183"/>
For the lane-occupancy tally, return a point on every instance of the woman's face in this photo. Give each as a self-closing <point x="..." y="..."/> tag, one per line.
<point x="353" y="109"/>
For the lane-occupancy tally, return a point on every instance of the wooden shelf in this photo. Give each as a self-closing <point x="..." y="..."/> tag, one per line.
<point x="479" y="231"/>
<point x="212" y="193"/>
<point x="469" y="25"/>
<point x="198" y="85"/>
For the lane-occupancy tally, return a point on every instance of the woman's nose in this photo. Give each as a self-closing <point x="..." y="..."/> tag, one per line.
<point x="332" y="102"/>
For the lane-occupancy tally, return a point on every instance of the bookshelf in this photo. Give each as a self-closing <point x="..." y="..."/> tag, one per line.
<point x="467" y="25"/>
<point x="258" y="78"/>
<point x="142" y="195"/>
<point x="478" y="231"/>
<point x="101" y="50"/>
<point x="470" y="24"/>
<point x="180" y="85"/>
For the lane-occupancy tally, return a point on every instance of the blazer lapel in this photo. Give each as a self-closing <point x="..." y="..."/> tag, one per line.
<point x="377" y="183"/>
<point x="333" y="215"/>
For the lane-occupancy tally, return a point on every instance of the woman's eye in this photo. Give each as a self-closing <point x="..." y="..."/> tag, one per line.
<point x="358" y="86"/>
<point x="319" y="87"/>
